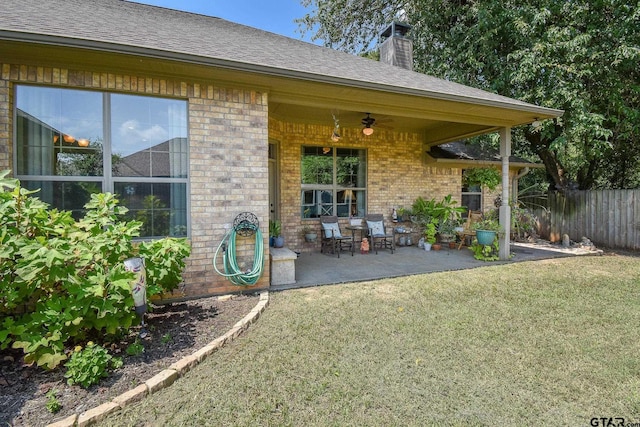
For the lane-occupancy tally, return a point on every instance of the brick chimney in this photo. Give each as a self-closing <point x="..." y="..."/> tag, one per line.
<point x="396" y="47"/>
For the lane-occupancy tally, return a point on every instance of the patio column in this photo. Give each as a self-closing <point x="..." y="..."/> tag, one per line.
<point x="505" y="209"/>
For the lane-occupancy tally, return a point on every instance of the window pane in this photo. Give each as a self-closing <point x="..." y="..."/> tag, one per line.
<point x="316" y="203"/>
<point x="471" y="202"/>
<point x="351" y="167"/>
<point x="149" y="136"/>
<point x="160" y="207"/>
<point x="59" y="132"/>
<point x="64" y="195"/>
<point x="351" y="203"/>
<point x="317" y="165"/>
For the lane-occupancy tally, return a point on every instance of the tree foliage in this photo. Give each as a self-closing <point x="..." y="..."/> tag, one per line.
<point x="581" y="56"/>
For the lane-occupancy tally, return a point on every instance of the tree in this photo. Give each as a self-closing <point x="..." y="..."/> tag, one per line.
<point x="580" y="56"/>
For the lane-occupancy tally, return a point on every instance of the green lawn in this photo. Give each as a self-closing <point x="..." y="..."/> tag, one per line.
<point x="552" y="342"/>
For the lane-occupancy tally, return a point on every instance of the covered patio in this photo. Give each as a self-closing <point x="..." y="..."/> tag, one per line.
<point x="314" y="268"/>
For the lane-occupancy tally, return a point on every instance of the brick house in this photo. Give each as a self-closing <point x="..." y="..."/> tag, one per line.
<point x="192" y="120"/>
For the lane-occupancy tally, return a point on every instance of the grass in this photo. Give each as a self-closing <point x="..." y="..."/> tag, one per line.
<point x="551" y="342"/>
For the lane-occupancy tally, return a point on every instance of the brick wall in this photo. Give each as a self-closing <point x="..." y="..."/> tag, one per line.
<point x="396" y="171"/>
<point x="228" y="157"/>
<point x="229" y="132"/>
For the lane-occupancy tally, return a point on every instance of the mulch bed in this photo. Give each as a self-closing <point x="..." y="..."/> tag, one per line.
<point x="174" y="331"/>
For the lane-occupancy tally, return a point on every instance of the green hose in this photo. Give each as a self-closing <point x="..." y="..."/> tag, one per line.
<point x="231" y="269"/>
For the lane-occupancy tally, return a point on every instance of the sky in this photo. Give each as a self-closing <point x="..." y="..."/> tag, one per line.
<point x="275" y="16"/>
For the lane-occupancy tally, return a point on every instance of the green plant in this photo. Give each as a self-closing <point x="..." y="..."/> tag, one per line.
<point x="275" y="228"/>
<point x="89" y="365"/>
<point x="63" y="280"/>
<point x="404" y="213"/>
<point x="523" y="222"/>
<point x="427" y="211"/>
<point x="486" y="252"/>
<point x="166" y="338"/>
<point x="430" y="231"/>
<point x="448" y="227"/>
<point x="164" y="263"/>
<point x="53" y="404"/>
<point x="485" y="177"/>
<point x="488" y="224"/>
<point x="135" y="348"/>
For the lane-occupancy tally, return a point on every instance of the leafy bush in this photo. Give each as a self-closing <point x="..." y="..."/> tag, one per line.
<point x="164" y="263"/>
<point x="88" y="366"/>
<point x="63" y="280"/>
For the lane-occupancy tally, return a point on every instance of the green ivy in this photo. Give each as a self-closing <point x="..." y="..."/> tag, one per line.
<point x="63" y="281"/>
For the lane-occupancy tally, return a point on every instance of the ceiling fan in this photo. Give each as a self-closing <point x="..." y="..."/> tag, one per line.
<point x="369" y="122"/>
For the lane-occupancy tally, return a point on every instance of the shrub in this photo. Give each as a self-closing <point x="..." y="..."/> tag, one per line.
<point x="63" y="280"/>
<point x="88" y="366"/>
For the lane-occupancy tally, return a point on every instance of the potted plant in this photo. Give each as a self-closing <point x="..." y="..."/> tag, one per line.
<point x="430" y="232"/>
<point x="404" y="214"/>
<point x="484" y="177"/>
<point x="487" y="230"/>
<point x="447" y="231"/>
<point x="275" y="233"/>
<point x="309" y="233"/>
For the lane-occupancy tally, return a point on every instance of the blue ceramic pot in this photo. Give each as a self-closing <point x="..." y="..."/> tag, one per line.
<point x="485" y="237"/>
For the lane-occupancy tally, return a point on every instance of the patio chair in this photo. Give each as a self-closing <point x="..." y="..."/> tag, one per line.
<point x="379" y="236"/>
<point x="467" y="230"/>
<point x="332" y="237"/>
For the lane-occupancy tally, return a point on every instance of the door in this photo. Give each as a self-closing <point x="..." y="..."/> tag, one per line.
<point x="274" y="188"/>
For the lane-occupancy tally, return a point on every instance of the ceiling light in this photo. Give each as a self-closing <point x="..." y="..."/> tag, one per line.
<point x="367" y="122"/>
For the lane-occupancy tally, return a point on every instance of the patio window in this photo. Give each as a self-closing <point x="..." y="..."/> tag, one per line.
<point x="72" y="143"/>
<point x="471" y="197"/>
<point x="333" y="182"/>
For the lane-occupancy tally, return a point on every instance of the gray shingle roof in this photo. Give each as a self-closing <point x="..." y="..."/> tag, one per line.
<point x="126" y="26"/>
<point x="459" y="150"/>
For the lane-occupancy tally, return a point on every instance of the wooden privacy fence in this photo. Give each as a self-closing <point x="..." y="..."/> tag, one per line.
<point x="609" y="218"/>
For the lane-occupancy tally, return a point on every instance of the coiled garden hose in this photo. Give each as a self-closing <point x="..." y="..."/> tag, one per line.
<point x="231" y="269"/>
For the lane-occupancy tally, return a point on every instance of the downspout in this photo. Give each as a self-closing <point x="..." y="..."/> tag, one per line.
<point x="514" y="185"/>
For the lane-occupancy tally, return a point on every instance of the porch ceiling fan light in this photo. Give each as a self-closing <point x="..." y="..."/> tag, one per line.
<point x="367" y="130"/>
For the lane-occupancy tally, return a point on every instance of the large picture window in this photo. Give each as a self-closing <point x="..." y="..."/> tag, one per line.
<point x="334" y="182"/>
<point x="72" y="143"/>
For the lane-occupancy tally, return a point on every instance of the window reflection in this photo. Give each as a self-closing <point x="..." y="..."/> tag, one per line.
<point x="60" y="133"/>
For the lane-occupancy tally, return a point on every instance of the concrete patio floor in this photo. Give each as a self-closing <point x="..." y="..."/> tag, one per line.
<point x="314" y="268"/>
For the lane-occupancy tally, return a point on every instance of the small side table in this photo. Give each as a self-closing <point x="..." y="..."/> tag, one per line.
<point x="353" y="229"/>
